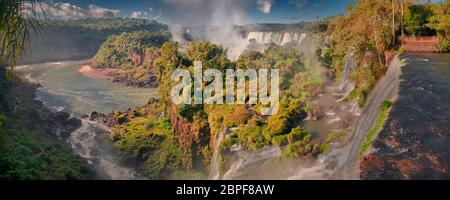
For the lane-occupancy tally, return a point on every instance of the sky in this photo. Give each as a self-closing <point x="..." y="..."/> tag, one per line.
<point x="196" y="12"/>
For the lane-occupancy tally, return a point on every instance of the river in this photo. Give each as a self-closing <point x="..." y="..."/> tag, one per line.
<point x="64" y="88"/>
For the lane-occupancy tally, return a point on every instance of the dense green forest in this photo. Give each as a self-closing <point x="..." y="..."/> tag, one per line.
<point x="79" y="39"/>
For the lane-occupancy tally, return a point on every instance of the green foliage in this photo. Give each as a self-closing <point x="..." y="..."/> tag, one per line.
<point x="336" y="136"/>
<point x="304" y="149"/>
<point x="165" y="157"/>
<point x="15" y="27"/>
<point x="213" y="56"/>
<point x="444" y="44"/>
<point x="366" y="32"/>
<point x="252" y="137"/>
<point x="321" y="26"/>
<point x="207" y="155"/>
<point x="379" y="123"/>
<point x="38" y="157"/>
<point x="276" y="125"/>
<point x="430" y="19"/>
<point x="288" y="61"/>
<point x="117" y="49"/>
<point x="31" y="151"/>
<point x="415" y="19"/>
<point x="165" y="64"/>
<point x="150" y="139"/>
<point x="188" y="111"/>
<point x="324" y="56"/>
<point x="3" y="137"/>
<point x="296" y="134"/>
<point x="226" y="116"/>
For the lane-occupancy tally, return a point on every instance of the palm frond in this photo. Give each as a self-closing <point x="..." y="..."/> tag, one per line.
<point x="17" y="19"/>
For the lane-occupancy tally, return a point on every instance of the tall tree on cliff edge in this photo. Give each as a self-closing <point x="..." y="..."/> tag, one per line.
<point x="17" y="18"/>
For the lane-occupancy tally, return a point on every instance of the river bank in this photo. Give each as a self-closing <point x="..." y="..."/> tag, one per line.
<point x="105" y="74"/>
<point x="132" y="77"/>
<point x="33" y="144"/>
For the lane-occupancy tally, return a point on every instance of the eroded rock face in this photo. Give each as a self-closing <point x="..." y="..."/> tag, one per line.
<point x="141" y="73"/>
<point x="415" y="141"/>
<point x="187" y="132"/>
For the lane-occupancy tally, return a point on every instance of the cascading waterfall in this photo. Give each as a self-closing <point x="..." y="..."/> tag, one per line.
<point x="342" y="163"/>
<point x="345" y="84"/>
<point x="214" y="171"/>
<point x="279" y="38"/>
<point x="245" y="159"/>
<point x="90" y="142"/>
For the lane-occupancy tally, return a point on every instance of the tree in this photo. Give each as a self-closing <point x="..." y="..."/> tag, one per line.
<point x="16" y="21"/>
<point x="166" y="63"/>
<point x="416" y="17"/>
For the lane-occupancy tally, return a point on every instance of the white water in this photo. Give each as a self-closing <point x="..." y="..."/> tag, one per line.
<point x="342" y="163"/>
<point x="90" y="142"/>
<point x="245" y="158"/>
<point x="279" y="38"/>
<point x="345" y="84"/>
<point x="214" y="171"/>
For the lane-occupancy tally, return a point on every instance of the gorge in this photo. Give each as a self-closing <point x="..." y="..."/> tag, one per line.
<point x="351" y="100"/>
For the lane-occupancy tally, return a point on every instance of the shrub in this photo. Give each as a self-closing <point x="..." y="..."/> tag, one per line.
<point x="239" y="115"/>
<point x="336" y="136"/>
<point x="251" y="137"/>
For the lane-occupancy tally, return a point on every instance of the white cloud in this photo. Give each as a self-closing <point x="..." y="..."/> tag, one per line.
<point x="136" y="14"/>
<point x="61" y="10"/>
<point x="150" y="14"/>
<point x="264" y="6"/>
<point x="100" y="12"/>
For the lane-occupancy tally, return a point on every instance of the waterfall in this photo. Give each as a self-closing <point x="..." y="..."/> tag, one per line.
<point x="345" y="84"/>
<point x="90" y="142"/>
<point x="239" y="167"/>
<point x="343" y="163"/>
<point x="214" y="171"/>
<point x="279" y="38"/>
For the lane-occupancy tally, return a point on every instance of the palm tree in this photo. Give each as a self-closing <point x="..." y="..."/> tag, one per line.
<point x="17" y="18"/>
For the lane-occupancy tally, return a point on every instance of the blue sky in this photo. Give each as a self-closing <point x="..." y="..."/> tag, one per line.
<point x="172" y="11"/>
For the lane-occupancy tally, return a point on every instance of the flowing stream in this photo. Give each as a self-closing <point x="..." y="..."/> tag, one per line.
<point x="64" y="88"/>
